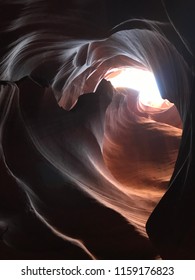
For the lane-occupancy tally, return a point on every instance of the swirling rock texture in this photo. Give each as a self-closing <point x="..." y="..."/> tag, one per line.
<point x="89" y="171"/>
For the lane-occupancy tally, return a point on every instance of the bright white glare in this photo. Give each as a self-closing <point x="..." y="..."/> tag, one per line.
<point x="140" y="80"/>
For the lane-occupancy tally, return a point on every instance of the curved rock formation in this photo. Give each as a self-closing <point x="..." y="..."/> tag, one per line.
<point x="83" y="165"/>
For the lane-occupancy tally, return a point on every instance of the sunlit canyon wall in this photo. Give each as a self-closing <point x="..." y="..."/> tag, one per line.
<point x="83" y="165"/>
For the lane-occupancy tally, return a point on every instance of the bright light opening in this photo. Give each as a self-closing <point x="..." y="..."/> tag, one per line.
<point x="140" y="80"/>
